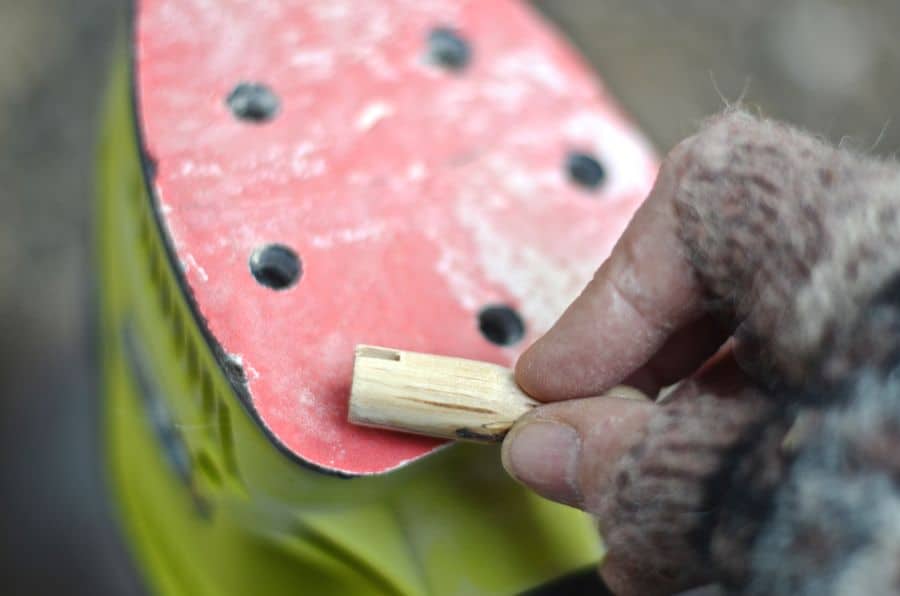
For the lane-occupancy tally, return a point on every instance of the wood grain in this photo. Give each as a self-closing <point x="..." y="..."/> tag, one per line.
<point x="439" y="396"/>
<point x="432" y="395"/>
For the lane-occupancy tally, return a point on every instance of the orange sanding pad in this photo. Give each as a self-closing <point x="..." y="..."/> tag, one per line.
<point x="440" y="176"/>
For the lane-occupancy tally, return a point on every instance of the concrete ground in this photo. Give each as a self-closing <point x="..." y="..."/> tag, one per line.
<point x="829" y="65"/>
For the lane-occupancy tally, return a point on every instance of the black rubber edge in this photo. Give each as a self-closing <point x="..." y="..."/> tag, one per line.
<point x="228" y="367"/>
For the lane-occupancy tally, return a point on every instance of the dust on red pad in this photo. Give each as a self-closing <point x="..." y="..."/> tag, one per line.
<point x="333" y="172"/>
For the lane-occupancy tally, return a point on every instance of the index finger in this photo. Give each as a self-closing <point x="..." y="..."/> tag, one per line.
<point x="640" y="297"/>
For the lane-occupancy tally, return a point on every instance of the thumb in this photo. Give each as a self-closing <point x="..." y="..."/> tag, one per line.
<point x="545" y="449"/>
<point x="651" y="472"/>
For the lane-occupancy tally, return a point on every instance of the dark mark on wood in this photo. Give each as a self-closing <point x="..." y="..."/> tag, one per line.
<point x="472" y="435"/>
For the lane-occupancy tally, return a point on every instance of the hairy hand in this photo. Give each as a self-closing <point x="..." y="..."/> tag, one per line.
<point x="758" y="244"/>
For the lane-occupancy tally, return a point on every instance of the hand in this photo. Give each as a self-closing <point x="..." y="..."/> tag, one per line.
<point x="759" y="245"/>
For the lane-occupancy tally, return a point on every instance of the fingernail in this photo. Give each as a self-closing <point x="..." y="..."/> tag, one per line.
<point x="543" y="454"/>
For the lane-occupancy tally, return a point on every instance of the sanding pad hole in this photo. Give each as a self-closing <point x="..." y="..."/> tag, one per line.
<point x="448" y="49"/>
<point x="275" y="266"/>
<point x="501" y="325"/>
<point x="584" y="170"/>
<point x="253" y="102"/>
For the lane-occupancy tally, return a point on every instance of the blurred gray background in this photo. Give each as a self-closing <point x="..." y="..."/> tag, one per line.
<point x="828" y="65"/>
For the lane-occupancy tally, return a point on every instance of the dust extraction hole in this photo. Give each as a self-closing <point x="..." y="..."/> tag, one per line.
<point x="584" y="170"/>
<point x="253" y="102"/>
<point x="275" y="266"/>
<point x="448" y="48"/>
<point x="501" y="325"/>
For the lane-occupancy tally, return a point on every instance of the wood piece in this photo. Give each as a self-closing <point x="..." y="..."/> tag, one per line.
<point x="439" y="396"/>
<point x="432" y="395"/>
